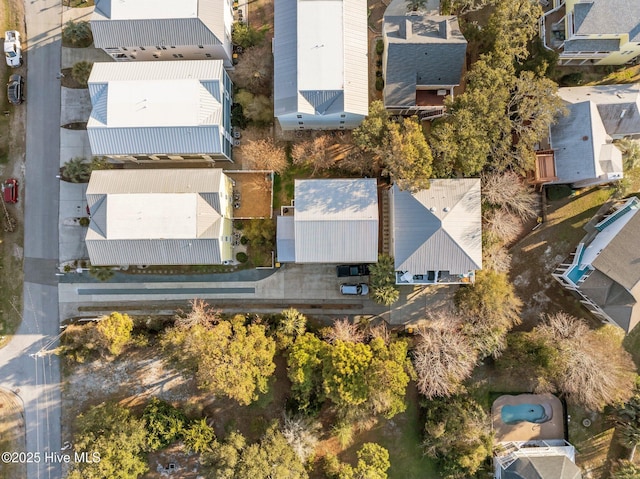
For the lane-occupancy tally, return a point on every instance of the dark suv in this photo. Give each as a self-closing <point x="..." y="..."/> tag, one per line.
<point x="345" y="270"/>
<point x="14" y="89"/>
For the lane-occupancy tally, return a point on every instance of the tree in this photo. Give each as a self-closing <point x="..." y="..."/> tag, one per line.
<point x="76" y="34"/>
<point x="382" y="279"/>
<point x="254" y="71"/>
<point x="261" y="232"/>
<point x="76" y="170"/>
<point x="302" y="434"/>
<point x="501" y="226"/>
<point x="491" y="308"/>
<point x="406" y="155"/>
<point x="495" y="257"/>
<point x="257" y="108"/>
<point x="626" y="470"/>
<point x="594" y="368"/>
<point x="372" y="132"/>
<point x="313" y="153"/>
<point x="101" y="273"/>
<point x="628" y="419"/>
<point x="114" y="332"/>
<point x="630" y="153"/>
<point x="508" y="191"/>
<point x="457" y="435"/>
<point x="389" y="374"/>
<point x="512" y="25"/>
<point x="165" y="423"/>
<point x="373" y="463"/>
<point x="200" y="314"/>
<point x="264" y="155"/>
<point x="228" y="358"/>
<point x="442" y="359"/>
<point x="270" y="458"/>
<point x="304" y="369"/>
<point x="81" y="71"/>
<point x="114" y="439"/>
<point x="344" y="373"/>
<point x="199" y="436"/>
<point x="246" y="36"/>
<point x="343" y="330"/>
<point x="291" y="325"/>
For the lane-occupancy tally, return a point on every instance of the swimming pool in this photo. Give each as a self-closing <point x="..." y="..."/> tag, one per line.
<point x="524" y="412"/>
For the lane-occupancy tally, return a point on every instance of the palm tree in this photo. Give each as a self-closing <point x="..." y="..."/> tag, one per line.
<point x="293" y="323"/>
<point x="101" y="273"/>
<point x="81" y="71"/>
<point x="77" y="34"/>
<point x="76" y="170"/>
<point x="386" y="295"/>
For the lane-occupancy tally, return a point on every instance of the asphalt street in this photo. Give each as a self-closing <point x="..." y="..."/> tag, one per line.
<point x="35" y="377"/>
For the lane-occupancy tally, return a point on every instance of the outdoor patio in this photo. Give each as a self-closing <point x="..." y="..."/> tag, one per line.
<point x="252" y="194"/>
<point x="524" y="430"/>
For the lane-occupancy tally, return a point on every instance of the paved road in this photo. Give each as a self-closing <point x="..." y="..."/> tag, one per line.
<point x="37" y="379"/>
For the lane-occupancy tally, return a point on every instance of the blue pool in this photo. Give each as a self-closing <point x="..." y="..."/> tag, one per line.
<point x="523" y="412"/>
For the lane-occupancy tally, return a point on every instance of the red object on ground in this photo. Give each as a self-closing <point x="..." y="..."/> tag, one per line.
<point x="10" y="190"/>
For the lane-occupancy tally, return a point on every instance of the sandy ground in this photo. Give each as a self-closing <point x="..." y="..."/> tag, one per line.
<point x="12" y="433"/>
<point x="255" y="193"/>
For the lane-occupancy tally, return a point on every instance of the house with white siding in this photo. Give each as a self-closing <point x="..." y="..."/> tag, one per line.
<point x="333" y="221"/>
<point x="139" y="30"/>
<point x="160" y="217"/>
<point x="320" y="64"/>
<point x="436" y="234"/>
<point x="160" y="110"/>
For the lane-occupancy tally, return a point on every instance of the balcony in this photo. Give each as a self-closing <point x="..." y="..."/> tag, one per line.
<point x="552" y="28"/>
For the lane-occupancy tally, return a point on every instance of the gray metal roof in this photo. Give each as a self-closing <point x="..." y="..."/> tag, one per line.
<point x="286" y="244"/>
<point x="618" y="105"/>
<point x="177" y="216"/>
<point x="292" y="71"/>
<point x="336" y="221"/>
<point x="206" y="28"/>
<point x="143" y="108"/>
<point x="438" y="229"/>
<point x="427" y="50"/>
<point x="577" y="140"/>
<point x="591" y="45"/>
<point x="601" y="17"/>
<point x="542" y="467"/>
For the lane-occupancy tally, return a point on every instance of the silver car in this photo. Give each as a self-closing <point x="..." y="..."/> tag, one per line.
<point x="360" y="289"/>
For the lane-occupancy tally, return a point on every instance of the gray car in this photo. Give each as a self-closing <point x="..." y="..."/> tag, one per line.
<point x="15" y="89"/>
<point x="360" y="289"/>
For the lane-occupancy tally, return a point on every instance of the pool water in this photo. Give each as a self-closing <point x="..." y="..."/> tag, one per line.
<point x="523" y="412"/>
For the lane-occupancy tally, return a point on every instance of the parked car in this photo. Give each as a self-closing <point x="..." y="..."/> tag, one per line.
<point x="15" y="89"/>
<point x="10" y="190"/>
<point x="345" y="270"/>
<point x="360" y="289"/>
<point x="12" y="48"/>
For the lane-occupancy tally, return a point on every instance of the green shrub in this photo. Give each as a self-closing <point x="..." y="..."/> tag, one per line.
<point x="244" y="240"/>
<point x="379" y="47"/>
<point x="81" y="71"/>
<point x="76" y="34"/>
<point x="379" y="83"/>
<point x="238" y="224"/>
<point x="164" y="423"/>
<point x="242" y="257"/>
<point x="571" y="79"/>
<point x="245" y="36"/>
<point x="84" y="221"/>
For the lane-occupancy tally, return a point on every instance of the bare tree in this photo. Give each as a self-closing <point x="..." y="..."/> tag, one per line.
<point x="344" y="330"/>
<point x="380" y="331"/>
<point x="314" y="153"/>
<point x="264" y="155"/>
<point x="302" y="434"/>
<point x="507" y="191"/>
<point x="254" y="70"/>
<point x="443" y="358"/>
<point x="496" y="257"/>
<point x="502" y="225"/>
<point x="595" y="370"/>
<point x="201" y="313"/>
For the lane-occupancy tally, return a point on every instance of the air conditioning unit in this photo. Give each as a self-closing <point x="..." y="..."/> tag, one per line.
<point x="441" y="92"/>
<point x="236" y="142"/>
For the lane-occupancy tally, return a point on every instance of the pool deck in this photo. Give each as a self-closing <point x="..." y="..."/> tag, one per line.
<point x="527" y="431"/>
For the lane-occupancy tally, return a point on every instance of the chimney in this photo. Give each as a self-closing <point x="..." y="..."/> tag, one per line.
<point x="406" y="29"/>
<point x="445" y="29"/>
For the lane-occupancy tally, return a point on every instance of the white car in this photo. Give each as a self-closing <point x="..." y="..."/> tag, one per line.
<point x="12" y="48"/>
<point x="360" y="289"/>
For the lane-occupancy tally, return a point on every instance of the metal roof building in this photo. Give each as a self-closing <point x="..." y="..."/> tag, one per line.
<point x="437" y="233"/>
<point x="160" y="108"/>
<point x="157" y="217"/>
<point x="163" y="29"/>
<point x="320" y="63"/>
<point x="335" y="221"/>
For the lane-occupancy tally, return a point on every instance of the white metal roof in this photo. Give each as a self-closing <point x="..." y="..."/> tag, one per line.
<point x="175" y="216"/>
<point x="336" y="220"/>
<point x="156" y="107"/>
<point x="320" y="45"/>
<point x="439" y="229"/>
<point x="320" y="57"/>
<point x="143" y="9"/>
